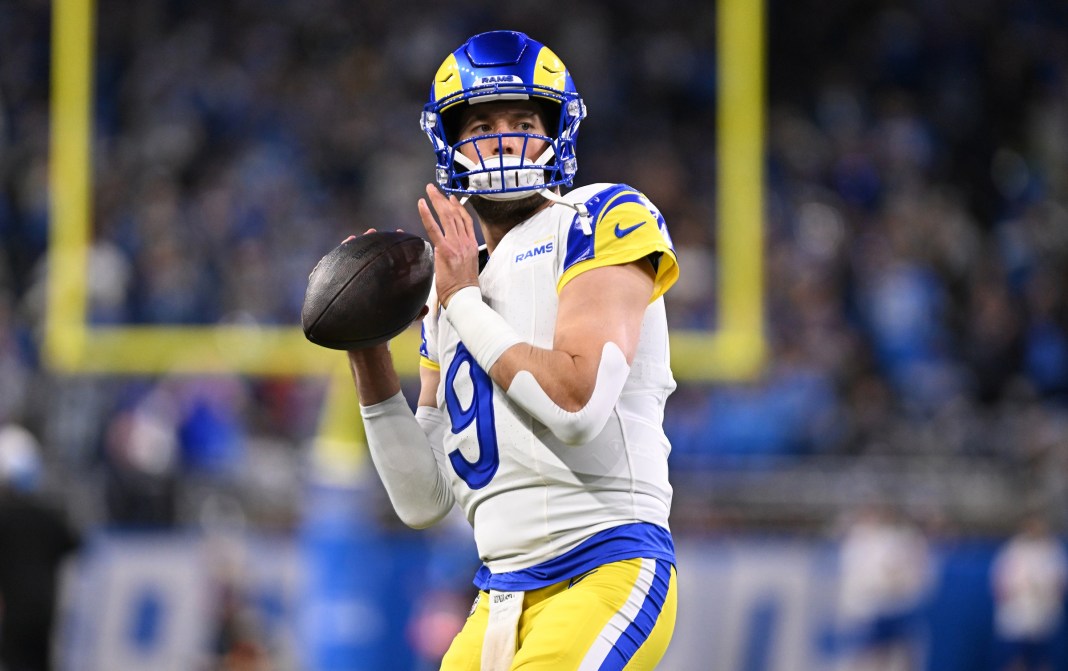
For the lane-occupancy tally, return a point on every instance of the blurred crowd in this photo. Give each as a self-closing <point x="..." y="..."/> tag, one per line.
<point x="916" y="217"/>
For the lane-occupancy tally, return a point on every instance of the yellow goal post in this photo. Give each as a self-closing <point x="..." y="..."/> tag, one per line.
<point x="735" y="350"/>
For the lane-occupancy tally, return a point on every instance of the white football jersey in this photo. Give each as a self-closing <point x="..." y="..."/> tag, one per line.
<point x="530" y="497"/>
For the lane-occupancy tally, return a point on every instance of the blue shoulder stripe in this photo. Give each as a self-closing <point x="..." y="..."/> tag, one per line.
<point x="580" y="245"/>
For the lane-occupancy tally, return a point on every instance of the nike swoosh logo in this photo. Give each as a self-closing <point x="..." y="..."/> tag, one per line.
<point x="620" y="232"/>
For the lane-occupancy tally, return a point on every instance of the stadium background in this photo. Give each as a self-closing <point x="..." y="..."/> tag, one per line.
<point x="915" y="266"/>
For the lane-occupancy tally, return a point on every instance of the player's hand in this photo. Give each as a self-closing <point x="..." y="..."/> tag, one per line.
<point x="452" y="233"/>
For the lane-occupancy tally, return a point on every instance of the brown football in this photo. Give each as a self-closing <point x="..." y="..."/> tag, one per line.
<point x="367" y="290"/>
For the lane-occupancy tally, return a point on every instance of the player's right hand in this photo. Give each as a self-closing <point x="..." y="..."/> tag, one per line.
<point x="452" y="233"/>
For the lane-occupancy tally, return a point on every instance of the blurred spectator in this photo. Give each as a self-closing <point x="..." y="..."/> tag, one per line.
<point x="35" y="540"/>
<point x="885" y="577"/>
<point x="1029" y="576"/>
<point x="140" y="462"/>
<point x="15" y="369"/>
<point x="237" y="635"/>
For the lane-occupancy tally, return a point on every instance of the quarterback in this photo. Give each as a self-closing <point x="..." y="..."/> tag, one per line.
<point x="544" y="374"/>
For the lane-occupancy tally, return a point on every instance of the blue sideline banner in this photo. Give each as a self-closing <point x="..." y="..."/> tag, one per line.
<point x="346" y="595"/>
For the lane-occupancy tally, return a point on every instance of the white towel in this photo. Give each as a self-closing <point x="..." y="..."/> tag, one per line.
<point x="498" y="647"/>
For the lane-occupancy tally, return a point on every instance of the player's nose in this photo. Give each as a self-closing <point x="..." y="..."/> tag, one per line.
<point x="509" y="145"/>
<point x="506" y="144"/>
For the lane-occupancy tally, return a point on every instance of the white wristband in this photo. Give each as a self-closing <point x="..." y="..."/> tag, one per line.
<point x="484" y="332"/>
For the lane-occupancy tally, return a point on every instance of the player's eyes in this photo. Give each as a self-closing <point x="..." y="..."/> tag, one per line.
<point x="477" y="129"/>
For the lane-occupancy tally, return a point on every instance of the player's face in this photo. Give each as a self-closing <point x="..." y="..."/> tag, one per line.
<point x="506" y="116"/>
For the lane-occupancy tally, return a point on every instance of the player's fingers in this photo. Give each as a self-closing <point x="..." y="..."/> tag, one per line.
<point x="429" y="223"/>
<point x="433" y="203"/>
<point x="451" y="225"/>
<point x="436" y="197"/>
<point x="466" y="226"/>
<point x="457" y="212"/>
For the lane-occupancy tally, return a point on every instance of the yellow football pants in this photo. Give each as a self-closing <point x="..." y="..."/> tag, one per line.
<point x="617" y="616"/>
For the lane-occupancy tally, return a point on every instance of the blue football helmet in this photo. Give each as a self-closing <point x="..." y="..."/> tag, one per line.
<point x="503" y="65"/>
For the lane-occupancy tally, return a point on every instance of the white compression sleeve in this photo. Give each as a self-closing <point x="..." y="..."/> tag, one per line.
<point x="484" y="332"/>
<point x="581" y="426"/>
<point x="486" y="335"/>
<point x="404" y="451"/>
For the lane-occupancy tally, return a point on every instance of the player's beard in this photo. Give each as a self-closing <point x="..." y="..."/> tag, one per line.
<point x="507" y="213"/>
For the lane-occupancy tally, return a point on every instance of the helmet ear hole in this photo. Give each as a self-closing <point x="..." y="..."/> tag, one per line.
<point x="550" y="112"/>
<point x="450" y="123"/>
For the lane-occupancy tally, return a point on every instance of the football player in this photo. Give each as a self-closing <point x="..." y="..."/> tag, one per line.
<point x="544" y="373"/>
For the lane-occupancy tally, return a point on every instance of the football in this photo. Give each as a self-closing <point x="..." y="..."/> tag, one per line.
<point x="367" y="290"/>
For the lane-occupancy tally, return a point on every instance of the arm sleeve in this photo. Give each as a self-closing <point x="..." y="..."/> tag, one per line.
<point x="487" y="335"/>
<point x="406" y="451"/>
<point x="576" y="428"/>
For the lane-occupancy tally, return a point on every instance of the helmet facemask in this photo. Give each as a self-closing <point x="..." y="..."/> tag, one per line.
<point x="501" y="176"/>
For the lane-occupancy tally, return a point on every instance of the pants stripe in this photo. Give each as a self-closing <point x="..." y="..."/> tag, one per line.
<point x="633" y="623"/>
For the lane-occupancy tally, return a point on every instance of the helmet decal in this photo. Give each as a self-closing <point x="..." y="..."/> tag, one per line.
<point x="549" y="71"/>
<point x="447" y="80"/>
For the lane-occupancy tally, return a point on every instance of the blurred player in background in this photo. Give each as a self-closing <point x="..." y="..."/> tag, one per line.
<point x="545" y="369"/>
<point x="886" y="577"/>
<point x="35" y="540"/>
<point x="1029" y="577"/>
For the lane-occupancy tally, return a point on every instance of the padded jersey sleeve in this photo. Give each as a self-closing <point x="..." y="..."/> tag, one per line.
<point x="626" y="227"/>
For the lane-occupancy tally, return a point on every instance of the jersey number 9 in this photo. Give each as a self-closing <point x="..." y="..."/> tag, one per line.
<point x="478" y="473"/>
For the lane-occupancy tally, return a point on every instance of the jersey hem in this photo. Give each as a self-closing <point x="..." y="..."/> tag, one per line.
<point x="627" y="541"/>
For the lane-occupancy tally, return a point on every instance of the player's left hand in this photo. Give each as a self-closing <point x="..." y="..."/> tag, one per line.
<point x="455" y="247"/>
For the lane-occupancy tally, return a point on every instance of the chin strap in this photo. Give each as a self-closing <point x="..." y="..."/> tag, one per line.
<point x="580" y="208"/>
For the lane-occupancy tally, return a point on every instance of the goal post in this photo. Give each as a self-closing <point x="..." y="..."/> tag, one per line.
<point x="734" y="350"/>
